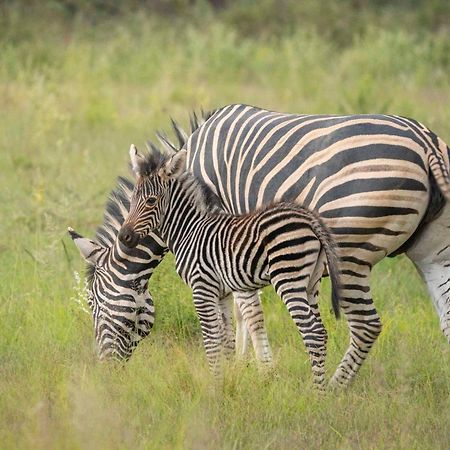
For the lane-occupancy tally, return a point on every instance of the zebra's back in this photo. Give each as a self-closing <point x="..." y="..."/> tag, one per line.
<point x="367" y="175"/>
<point x="252" y="243"/>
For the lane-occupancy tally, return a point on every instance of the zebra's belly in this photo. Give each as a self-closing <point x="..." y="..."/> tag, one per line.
<point x="237" y="278"/>
<point x="372" y="205"/>
<point x="372" y="209"/>
<point x="378" y="230"/>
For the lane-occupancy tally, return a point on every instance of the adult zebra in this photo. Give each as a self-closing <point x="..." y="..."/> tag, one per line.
<point x="376" y="180"/>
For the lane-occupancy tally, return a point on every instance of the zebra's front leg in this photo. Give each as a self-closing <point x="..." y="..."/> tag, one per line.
<point x="363" y="321"/>
<point x="249" y="306"/>
<point x="207" y="307"/>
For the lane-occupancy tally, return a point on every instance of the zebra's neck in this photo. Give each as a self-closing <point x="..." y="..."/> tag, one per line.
<point x="135" y="266"/>
<point x="188" y="210"/>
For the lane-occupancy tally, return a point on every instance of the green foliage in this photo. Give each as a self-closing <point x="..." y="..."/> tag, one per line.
<point x="73" y="99"/>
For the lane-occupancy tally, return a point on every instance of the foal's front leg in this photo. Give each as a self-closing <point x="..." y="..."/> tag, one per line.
<point x="207" y="306"/>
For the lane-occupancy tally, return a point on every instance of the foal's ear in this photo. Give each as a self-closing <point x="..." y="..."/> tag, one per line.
<point x="89" y="250"/>
<point x="136" y="160"/>
<point x="175" y="166"/>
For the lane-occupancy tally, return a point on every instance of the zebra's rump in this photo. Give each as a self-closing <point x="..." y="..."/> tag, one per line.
<point x="435" y="205"/>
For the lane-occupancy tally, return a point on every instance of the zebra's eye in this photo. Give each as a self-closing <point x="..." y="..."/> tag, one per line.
<point x="151" y="201"/>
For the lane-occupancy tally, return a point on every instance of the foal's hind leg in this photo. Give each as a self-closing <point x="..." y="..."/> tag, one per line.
<point x="431" y="255"/>
<point x="294" y="296"/>
<point x="293" y="288"/>
<point x="313" y="300"/>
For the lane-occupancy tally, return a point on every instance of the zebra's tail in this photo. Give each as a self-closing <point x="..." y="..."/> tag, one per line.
<point x="438" y="167"/>
<point x="329" y="246"/>
<point x="333" y="271"/>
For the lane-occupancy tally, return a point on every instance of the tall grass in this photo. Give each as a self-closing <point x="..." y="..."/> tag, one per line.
<point x="73" y="97"/>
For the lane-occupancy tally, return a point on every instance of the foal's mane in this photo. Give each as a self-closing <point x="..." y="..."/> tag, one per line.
<point x="118" y="203"/>
<point x="202" y="194"/>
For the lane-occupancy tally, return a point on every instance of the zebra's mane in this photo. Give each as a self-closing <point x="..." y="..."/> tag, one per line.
<point x="118" y="204"/>
<point x="116" y="212"/>
<point x="195" y="122"/>
<point x="202" y="194"/>
<point x="204" y="197"/>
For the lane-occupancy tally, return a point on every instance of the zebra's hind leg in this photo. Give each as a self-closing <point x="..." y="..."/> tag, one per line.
<point x="249" y="306"/>
<point x="363" y="321"/>
<point x="293" y="292"/>
<point x="437" y="278"/>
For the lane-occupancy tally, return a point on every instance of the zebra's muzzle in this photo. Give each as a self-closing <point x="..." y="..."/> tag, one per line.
<point x="128" y="236"/>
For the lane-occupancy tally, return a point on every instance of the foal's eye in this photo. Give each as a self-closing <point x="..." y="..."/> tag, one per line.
<point x="151" y="201"/>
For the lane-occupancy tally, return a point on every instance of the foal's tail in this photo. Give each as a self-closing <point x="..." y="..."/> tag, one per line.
<point x="329" y="246"/>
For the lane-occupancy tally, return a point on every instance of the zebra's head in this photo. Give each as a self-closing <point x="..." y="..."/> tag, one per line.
<point x="121" y="305"/>
<point x="149" y="199"/>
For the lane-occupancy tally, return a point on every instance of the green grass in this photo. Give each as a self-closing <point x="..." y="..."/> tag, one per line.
<point x="72" y="100"/>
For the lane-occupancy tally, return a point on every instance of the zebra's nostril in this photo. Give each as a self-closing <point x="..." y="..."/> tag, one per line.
<point x="129" y="237"/>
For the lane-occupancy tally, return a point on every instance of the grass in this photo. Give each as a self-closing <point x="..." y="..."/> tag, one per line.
<point x="73" y="99"/>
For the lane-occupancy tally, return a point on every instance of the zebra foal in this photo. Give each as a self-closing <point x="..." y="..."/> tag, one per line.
<point x="218" y="253"/>
<point x="117" y="289"/>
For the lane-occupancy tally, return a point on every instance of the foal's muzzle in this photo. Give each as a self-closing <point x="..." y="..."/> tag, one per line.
<point x="128" y="236"/>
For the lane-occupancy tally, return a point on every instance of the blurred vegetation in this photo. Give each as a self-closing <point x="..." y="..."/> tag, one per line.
<point x="80" y="81"/>
<point x="340" y="21"/>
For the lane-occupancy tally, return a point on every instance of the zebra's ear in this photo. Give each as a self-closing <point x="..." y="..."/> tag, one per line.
<point x="136" y="160"/>
<point x="89" y="250"/>
<point x="175" y="166"/>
